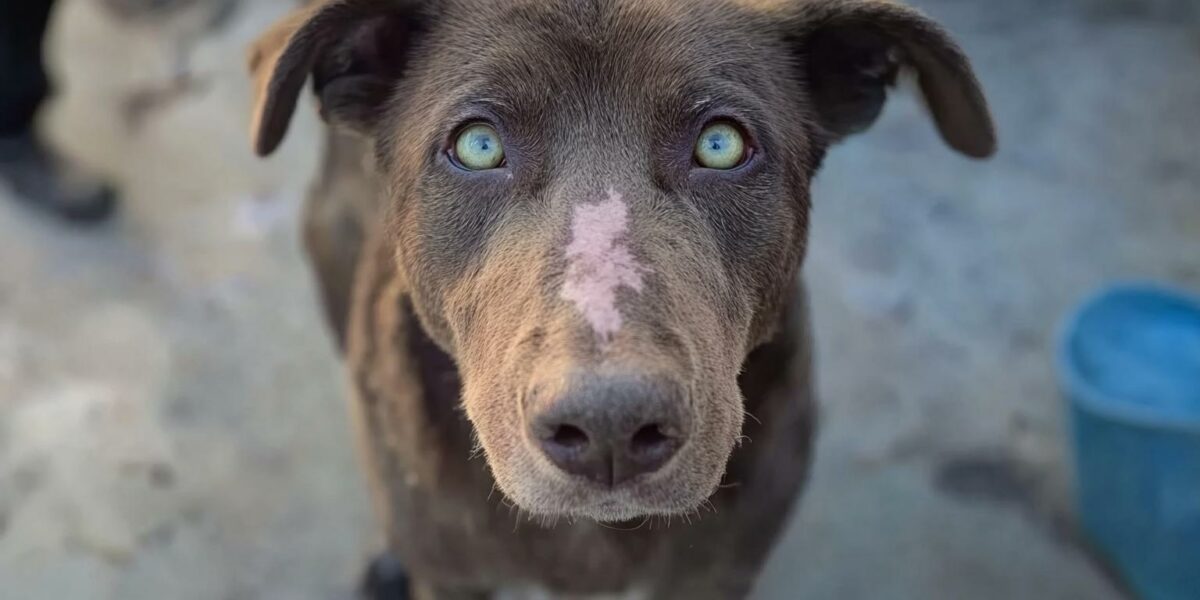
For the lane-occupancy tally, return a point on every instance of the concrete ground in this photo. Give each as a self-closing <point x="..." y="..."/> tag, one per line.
<point x="171" y="422"/>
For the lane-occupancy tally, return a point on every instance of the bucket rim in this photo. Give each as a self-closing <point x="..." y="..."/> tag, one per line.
<point x="1086" y="396"/>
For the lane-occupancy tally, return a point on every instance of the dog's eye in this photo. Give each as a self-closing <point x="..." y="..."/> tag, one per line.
<point x="478" y="148"/>
<point x="721" y="146"/>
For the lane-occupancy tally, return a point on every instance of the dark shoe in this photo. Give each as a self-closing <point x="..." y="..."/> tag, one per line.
<point x="385" y="579"/>
<point x="39" y="176"/>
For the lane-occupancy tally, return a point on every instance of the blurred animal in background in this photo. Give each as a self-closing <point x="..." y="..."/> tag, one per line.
<point x="179" y="25"/>
<point x="36" y="172"/>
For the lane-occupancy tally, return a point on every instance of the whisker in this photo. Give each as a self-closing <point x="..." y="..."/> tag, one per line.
<point x="476" y="446"/>
<point x="751" y="415"/>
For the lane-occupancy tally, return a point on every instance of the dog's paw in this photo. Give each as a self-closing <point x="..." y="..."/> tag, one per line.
<point x="384" y="579"/>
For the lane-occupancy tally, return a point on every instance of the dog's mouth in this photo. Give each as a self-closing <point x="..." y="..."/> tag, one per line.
<point x="617" y="508"/>
<point x="549" y="493"/>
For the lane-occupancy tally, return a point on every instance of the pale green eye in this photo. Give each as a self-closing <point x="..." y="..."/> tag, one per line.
<point x="478" y="148"/>
<point x="720" y="146"/>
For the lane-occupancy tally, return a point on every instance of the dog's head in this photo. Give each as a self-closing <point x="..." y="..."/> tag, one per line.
<point x="600" y="205"/>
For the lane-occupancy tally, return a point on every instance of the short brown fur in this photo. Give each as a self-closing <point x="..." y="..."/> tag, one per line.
<point x="444" y="285"/>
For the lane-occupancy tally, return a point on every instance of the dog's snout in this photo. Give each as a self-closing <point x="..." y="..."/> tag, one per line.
<point x="611" y="429"/>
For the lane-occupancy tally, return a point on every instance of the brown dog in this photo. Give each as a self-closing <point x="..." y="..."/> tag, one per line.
<point x="591" y="220"/>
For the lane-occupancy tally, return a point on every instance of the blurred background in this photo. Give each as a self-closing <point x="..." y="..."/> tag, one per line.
<point x="171" y="417"/>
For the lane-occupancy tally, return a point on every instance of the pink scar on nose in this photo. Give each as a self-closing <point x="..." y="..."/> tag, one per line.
<point x="599" y="262"/>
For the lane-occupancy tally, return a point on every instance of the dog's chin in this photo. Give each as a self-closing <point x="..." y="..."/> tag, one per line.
<point x="622" y="514"/>
<point x="605" y="505"/>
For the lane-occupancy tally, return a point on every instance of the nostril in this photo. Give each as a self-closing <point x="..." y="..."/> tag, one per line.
<point x="573" y="449"/>
<point x="569" y="436"/>
<point x="647" y="450"/>
<point x="652" y="446"/>
<point x="649" y="438"/>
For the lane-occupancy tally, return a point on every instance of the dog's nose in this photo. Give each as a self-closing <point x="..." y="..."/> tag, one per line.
<point x="612" y="429"/>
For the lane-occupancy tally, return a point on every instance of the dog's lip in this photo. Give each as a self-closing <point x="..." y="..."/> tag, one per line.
<point x="627" y="504"/>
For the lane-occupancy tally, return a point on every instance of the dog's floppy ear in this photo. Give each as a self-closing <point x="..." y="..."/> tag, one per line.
<point x="354" y="50"/>
<point x="851" y="52"/>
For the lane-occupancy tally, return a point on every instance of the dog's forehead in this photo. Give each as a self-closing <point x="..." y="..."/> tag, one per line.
<point x="621" y="42"/>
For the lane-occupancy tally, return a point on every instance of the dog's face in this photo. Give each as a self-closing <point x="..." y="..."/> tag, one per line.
<point x="600" y="206"/>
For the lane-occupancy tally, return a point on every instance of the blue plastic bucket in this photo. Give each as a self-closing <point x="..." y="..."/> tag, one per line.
<point x="1129" y="359"/>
